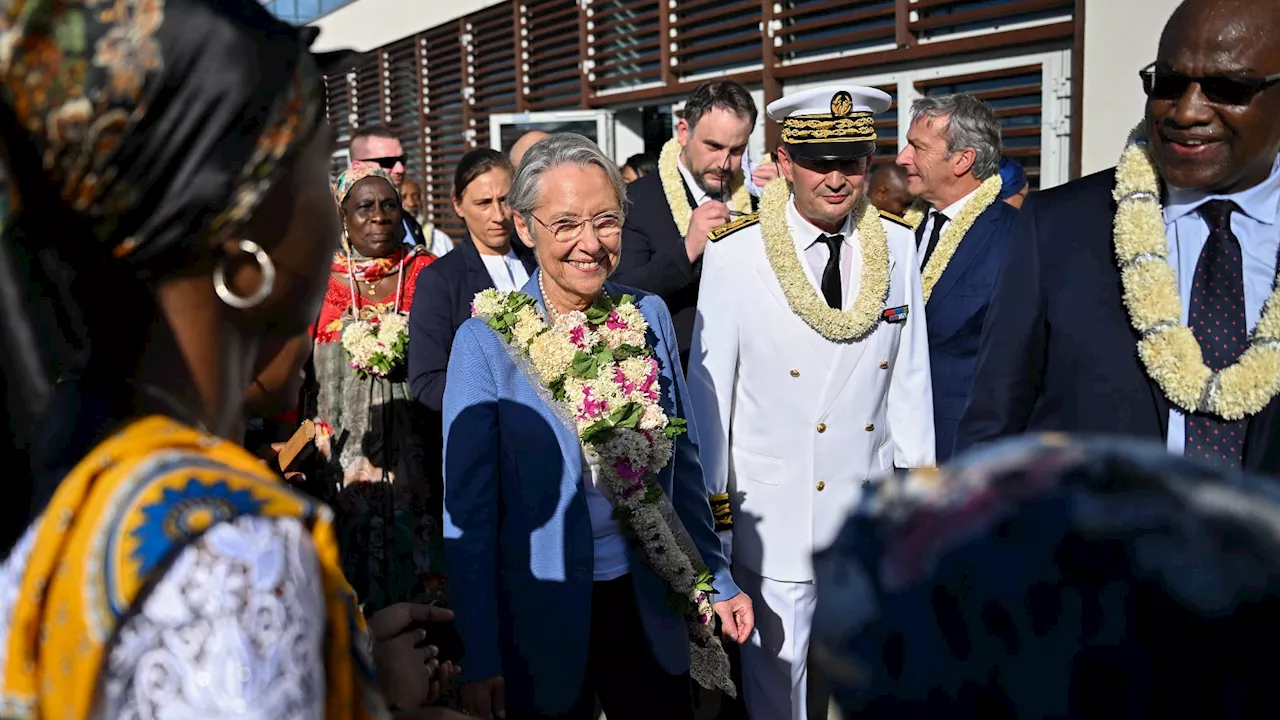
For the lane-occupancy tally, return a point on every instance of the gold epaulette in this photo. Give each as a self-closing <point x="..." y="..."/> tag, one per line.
<point x="730" y="228"/>
<point x="895" y="219"/>
<point x="721" y="511"/>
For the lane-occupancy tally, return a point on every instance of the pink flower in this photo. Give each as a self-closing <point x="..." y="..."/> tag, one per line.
<point x="578" y="336"/>
<point x="621" y="378"/>
<point x="591" y="406"/>
<point x="473" y="308"/>
<point x="627" y="471"/>
<point x="615" y="321"/>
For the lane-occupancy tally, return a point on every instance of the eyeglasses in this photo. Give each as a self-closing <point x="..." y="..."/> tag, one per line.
<point x="386" y="163"/>
<point x="1163" y="84"/>
<point x="607" y="226"/>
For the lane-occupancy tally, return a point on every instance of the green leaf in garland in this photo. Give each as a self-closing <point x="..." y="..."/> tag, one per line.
<point x="675" y="428"/>
<point x="627" y="416"/>
<point x="585" y="366"/>
<point x="626" y="299"/>
<point x="625" y="352"/>
<point x="604" y="356"/>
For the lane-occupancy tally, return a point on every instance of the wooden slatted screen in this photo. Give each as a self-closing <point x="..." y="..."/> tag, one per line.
<point x="338" y="99"/>
<point x="809" y="28"/>
<point x="715" y="37"/>
<point x="370" y="98"/>
<point x="551" y="54"/>
<point x="402" y="61"/>
<point x="445" y="124"/>
<point x="887" y="130"/>
<point x="1017" y="96"/>
<point x="938" y="18"/>
<point x="624" y="41"/>
<point x="491" y="69"/>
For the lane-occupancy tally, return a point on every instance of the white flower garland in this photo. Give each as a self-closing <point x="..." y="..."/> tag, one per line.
<point x="673" y="187"/>
<point x="597" y="366"/>
<point x="1168" y="349"/>
<point x="835" y="325"/>
<point x="957" y="228"/>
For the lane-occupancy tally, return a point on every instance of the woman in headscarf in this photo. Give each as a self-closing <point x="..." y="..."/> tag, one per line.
<point x="171" y="223"/>
<point x="372" y="434"/>
<point x="1052" y="578"/>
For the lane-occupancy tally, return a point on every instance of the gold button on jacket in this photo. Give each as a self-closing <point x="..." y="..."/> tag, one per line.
<point x="795" y="373"/>
<point x="884" y="364"/>
<point x="822" y="427"/>
<point x="870" y="427"/>
<point x="821" y="485"/>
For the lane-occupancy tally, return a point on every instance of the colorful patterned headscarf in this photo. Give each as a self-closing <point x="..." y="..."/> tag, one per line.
<point x="353" y="175"/>
<point x="1048" y="577"/>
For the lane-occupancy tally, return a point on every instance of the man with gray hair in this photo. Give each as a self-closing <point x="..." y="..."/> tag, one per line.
<point x="952" y="159"/>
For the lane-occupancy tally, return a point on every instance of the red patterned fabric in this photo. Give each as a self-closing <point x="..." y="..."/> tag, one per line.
<point x="337" y="298"/>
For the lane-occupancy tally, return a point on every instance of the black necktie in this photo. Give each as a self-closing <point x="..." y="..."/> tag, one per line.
<point x="938" y="221"/>
<point x="831" y="274"/>
<point x="1217" y="320"/>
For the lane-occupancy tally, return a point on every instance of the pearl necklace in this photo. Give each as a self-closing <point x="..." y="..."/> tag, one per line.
<point x="551" y="308"/>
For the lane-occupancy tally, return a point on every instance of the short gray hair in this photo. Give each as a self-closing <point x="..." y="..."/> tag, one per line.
<point x="556" y="150"/>
<point x="971" y="123"/>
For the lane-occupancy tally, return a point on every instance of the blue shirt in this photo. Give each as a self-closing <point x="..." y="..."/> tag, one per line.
<point x="1254" y="225"/>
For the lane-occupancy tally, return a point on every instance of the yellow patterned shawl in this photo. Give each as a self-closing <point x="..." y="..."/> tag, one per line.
<point x="114" y="524"/>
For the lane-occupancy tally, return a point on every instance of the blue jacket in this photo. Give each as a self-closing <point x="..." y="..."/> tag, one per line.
<point x="518" y="539"/>
<point x="956" y="311"/>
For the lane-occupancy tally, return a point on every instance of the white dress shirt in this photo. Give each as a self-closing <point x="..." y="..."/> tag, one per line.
<point x="441" y="243"/>
<point x="816" y="253"/>
<point x="951" y="211"/>
<point x="506" y="271"/>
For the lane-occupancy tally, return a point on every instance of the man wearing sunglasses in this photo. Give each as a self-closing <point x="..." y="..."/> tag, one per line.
<point x="1130" y="301"/>
<point x="375" y="145"/>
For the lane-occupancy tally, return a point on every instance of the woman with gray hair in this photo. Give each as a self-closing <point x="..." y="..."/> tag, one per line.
<point x="583" y="560"/>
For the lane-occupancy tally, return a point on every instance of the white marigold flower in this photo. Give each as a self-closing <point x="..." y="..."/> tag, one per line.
<point x="654" y="418"/>
<point x="489" y="302"/>
<point x="528" y="325"/>
<point x="551" y="356"/>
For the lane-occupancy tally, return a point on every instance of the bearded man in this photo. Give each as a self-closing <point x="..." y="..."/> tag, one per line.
<point x="809" y="374"/>
<point x="698" y="187"/>
<point x="1141" y="301"/>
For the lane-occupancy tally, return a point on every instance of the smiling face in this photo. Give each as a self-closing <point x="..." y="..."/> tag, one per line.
<point x="371" y="216"/>
<point x="1204" y="145"/>
<point x="825" y="190"/>
<point x="713" y="149"/>
<point x="574" y="270"/>
<point x="483" y="207"/>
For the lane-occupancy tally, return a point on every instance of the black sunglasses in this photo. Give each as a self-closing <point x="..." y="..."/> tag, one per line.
<point x="386" y="163"/>
<point x="1169" y="85"/>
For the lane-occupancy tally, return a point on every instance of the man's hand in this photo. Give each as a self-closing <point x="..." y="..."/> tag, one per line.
<point x="762" y="174"/>
<point x="706" y="218"/>
<point x="485" y="699"/>
<point x="737" y="618"/>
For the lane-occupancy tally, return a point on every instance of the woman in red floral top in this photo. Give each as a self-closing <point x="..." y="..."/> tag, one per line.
<point x="381" y="458"/>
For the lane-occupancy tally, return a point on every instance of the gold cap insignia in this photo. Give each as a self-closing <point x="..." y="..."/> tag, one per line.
<point x="841" y="104"/>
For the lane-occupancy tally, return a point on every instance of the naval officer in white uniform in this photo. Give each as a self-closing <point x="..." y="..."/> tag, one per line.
<point x="808" y="374"/>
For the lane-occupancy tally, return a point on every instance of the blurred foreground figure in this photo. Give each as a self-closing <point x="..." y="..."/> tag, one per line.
<point x="1047" y="577"/>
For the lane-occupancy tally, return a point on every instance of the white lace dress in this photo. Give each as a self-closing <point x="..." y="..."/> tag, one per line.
<point x="235" y="628"/>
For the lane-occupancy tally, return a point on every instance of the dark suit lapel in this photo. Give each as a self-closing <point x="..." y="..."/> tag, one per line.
<point x="972" y="246"/>
<point x="693" y="204"/>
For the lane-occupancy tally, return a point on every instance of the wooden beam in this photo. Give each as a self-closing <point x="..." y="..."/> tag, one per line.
<point x="1026" y="36"/>
<point x="667" y="75"/>
<point x="768" y="79"/>
<point x="1077" y="95"/>
<point x="902" y="24"/>
<point x="672" y="92"/>
<point x="466" y="77"/>
<point x="584" y="82"/>
<point x="518" y="43"/>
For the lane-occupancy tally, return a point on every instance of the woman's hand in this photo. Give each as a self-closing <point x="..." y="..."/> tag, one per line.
<point x="408" y="671"/>
<point x="485" y="699"/>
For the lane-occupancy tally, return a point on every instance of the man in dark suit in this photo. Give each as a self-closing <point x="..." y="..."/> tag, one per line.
<point x="1060" y="350"/>
<point x="952" y="161"/>
<point x="698" y="187"/>
<point x="377" y="145"/>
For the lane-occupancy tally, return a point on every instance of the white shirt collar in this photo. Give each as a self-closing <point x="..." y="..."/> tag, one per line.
<point x="805" y="233"/>
<point x="699" y="195"/>
<point x="955" y="208"/>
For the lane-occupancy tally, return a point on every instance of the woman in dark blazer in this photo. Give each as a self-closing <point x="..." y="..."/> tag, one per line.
<point x="442" y="296"/>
